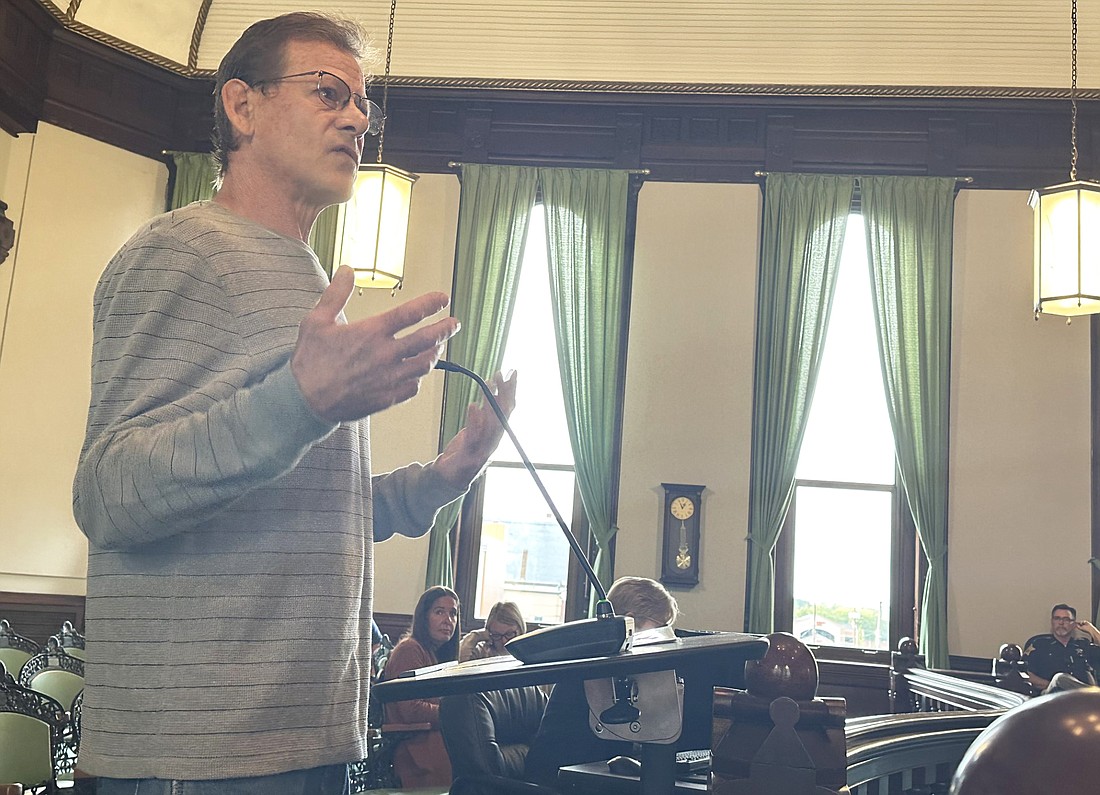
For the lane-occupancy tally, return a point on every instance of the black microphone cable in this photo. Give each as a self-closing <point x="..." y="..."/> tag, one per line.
<point x="603" y="606"/>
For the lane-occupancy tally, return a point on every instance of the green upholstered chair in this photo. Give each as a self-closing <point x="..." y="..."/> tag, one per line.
<point x="15" y="649"/>
<point x="31" y="728"/>
<point x="70" y="640"/>
<point x="55" y="673"/>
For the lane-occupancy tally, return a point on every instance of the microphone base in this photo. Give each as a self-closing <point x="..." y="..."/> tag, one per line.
<point x="574" y="640"/>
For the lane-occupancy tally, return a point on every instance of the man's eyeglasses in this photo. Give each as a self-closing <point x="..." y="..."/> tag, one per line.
<point x="1066" y="620"/>
<point x="336" y="94"/>
<point x="507" y="636"/>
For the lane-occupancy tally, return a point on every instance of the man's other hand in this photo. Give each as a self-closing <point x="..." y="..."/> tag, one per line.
<point x="467" y="453"/>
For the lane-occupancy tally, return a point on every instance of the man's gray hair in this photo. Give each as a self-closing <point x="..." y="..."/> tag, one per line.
<point x="260" y="54"/>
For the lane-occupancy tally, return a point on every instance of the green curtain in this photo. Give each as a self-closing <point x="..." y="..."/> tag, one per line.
<point x="909" y="238"/>
<point x="493" y="214"/>
<point x="586" y="231"/>
<point x="195" y="173"/>
<point x="803" y="233"/>
<point x="322" y="238"/>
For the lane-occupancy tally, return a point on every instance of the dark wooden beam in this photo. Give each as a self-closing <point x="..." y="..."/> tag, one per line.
<point x="114" y="97"/>
<point x="1003" y="138"/>
<point x="25" y="29"/>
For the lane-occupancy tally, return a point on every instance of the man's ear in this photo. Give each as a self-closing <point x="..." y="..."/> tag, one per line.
<point x="237" y="99"/>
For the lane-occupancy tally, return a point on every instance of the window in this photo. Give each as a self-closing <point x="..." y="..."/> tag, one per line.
<point x="844" y="561"/>
<point x="510" y="545"/>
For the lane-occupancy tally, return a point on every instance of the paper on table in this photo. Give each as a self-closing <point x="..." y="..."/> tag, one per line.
<point x="503" y="661"/>
<point x="663" y="634"/>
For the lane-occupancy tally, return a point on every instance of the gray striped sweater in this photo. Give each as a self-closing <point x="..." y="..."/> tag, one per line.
<point x="230" y="529"/>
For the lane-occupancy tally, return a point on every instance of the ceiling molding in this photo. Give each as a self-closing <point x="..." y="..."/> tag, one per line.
<point x="745" y="89"/>
<point x="842" y="48"/>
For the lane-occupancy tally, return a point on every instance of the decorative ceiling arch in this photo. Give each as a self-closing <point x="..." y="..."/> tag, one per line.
<point x="980" y="44"/>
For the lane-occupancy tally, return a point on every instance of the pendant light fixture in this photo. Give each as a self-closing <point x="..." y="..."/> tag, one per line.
<point x="1067" y="230"/>
<point x="374" y="224"/>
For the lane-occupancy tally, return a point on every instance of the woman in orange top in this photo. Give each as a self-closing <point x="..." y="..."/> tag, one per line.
<point x="421" y="760"/>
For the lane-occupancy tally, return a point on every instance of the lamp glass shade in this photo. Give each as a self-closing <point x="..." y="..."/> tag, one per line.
<point x="1067" y="248"/>
<point x="375" y="226"/>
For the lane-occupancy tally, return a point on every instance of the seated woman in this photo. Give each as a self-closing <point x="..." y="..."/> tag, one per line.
<point x="421" y="760"/>
<point x="504" y="623"/>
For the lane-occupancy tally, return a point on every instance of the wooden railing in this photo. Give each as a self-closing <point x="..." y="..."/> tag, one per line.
<point x="914" y="688"/>
<point x="914" y="751"/>
<point x="938" y="715"/>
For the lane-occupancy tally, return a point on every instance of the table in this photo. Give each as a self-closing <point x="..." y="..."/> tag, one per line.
<point x="658" y="761"/>
<point x="595" y="777"/>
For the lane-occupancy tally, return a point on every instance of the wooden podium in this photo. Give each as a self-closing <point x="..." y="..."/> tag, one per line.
<point x="658" y="760"/>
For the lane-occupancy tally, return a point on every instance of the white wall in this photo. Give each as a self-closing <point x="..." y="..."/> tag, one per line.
<point x="689" y="385"/>
<point x="1019" y="511"/>
<point x="83" y="200"/>
<point x="410" y="432"/>
<point x="1019" y="501"/>
<point x="7" y="142"/>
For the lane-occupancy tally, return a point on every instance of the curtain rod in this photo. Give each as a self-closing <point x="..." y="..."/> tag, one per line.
<point x="967" y="180"/>
<point x="642" y="171"/>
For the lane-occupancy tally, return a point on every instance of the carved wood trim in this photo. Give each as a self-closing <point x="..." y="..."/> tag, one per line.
<point x="1003" y="137"/>
<point x="25" y="33"/>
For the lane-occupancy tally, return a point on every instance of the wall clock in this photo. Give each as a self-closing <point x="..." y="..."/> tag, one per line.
<point x="680" y="523"/>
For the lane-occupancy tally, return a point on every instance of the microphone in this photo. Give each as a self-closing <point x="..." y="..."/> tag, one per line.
<point x="601" y="636"/>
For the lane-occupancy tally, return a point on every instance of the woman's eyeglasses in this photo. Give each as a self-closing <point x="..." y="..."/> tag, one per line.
<point x="507" y="636"/>
<point x="336" y="94"/>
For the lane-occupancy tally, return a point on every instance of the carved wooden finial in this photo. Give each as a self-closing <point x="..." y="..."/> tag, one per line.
<point x="788" y="669"/>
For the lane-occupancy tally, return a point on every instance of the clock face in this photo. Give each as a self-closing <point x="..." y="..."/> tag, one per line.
<point x="682" y="508"/>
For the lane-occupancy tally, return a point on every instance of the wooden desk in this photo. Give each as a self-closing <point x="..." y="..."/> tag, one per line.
<point x="658" y="761"/>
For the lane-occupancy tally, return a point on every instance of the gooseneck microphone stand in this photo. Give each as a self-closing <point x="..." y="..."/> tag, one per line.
<point x="594" y="637"/>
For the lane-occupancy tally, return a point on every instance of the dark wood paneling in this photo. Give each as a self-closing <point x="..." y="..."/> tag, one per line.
<point x="864" y="686"/>
<point x="1002" y="143"/>
<point x="113" y="97"/>
<point x="24" y="50"/>
<point x="393" y="624"/>
<point x="999" y="138"/>
<point x="865" y="683"/>
<point x="37" y="616"/>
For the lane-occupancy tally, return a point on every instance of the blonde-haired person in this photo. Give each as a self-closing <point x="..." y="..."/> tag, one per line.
<point x="504" y="622"/>
<point x="564" y="737"/>
<point x="647" y="601"/>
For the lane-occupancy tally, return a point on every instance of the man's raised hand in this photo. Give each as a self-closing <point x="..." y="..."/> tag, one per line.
<point x="351" y="370"/>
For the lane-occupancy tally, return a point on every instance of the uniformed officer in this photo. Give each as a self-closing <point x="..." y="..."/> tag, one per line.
<point x="1071" y="647"/>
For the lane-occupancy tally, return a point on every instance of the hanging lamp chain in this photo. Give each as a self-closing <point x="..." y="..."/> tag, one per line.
<point x="389" y="55"/>
<point x="1072" y="95"/>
